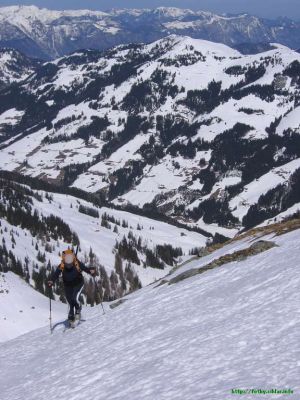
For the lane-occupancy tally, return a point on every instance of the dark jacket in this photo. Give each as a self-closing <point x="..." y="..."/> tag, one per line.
<point x="71" y="276"/>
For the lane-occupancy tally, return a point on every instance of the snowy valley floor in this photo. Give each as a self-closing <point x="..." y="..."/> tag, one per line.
<point x="236" y="326"/>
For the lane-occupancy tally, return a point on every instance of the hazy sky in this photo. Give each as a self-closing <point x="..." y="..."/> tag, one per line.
<point x="265" y="8"/>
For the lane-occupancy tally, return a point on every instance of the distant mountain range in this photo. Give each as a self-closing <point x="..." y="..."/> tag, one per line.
<point x="48" y="34"/>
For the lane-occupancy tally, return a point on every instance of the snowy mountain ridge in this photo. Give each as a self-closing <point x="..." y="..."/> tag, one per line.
<point x="43" y="14"/>
<point x="215" y="331"/>
<point x="202" y="133"/>
<point x="48" y="34"/>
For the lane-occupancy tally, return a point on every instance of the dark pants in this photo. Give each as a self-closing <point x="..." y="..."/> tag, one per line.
<point x="72" y="296"/>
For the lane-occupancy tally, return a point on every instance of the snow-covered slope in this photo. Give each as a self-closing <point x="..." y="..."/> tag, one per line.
<point x="128" y="250"/>
<point x="232" y="327"/>
<point x="192" y="127"/>
<point x="47" y="34"/>
<point x="22" y="308"/>
<point x="14" y="66"/>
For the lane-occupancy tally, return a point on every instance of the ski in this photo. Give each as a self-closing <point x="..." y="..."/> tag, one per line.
<point x="59" y="324"/>
<point x="73" y="324"/>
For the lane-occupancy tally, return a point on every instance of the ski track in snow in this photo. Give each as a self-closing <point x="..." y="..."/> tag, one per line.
<point x="233" y="327"/>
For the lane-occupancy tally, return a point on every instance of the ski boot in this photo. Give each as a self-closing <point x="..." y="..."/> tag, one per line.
<point x="71" y="321"/>
<point x="78" y="314"/>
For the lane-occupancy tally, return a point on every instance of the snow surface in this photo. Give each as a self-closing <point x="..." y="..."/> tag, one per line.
<point x="251" y="192"/>
<point x="12" y="68"/>
<point x="291" y="121"/>
<point x="22" y="308"/>
<point x="10" y="117"/>
<point x="91" y="179"/>
<point x="215" y="228"/>
<point x="163" y="178"/>
<point x="21" y="14"/>
<point x="283" y="215"/>
<point x="232" y="327"/>
<point x="173" y="12"/>
<point x="206" y="18"/>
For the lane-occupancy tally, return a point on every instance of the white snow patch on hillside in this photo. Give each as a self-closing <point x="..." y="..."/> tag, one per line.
<point x="251" y="192"/>
<point x="283" y="215"/>
<point x="50" y="103"/>
<point x="215" y="228"/>
<point x="10" y="117"/>
<point x="11" y="66"/>
<point x="14" y="156"/>
<point x="226" y="182"/>
<point x="23" y="309"/>
<point x="91" y="181"/>
<point x="226" y="115"/>
<point x="68" y="77"/>
<point x="290" y="121"/>
<point x="163" y="177"/>
<point x="49" y="159"/>
<point x="58" y="155"/>
<point x="94" y="179"/>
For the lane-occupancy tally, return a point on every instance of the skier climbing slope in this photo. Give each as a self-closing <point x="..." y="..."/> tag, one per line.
<point x="232" y="327"/>
<point x="71" y="270"/>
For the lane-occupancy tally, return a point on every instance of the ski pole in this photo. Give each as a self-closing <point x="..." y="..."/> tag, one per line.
<point x="99" y="296"/>
<point x="50" y="317"/>
<point x="102" y="306"/>
<point x="77" y="250"/>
